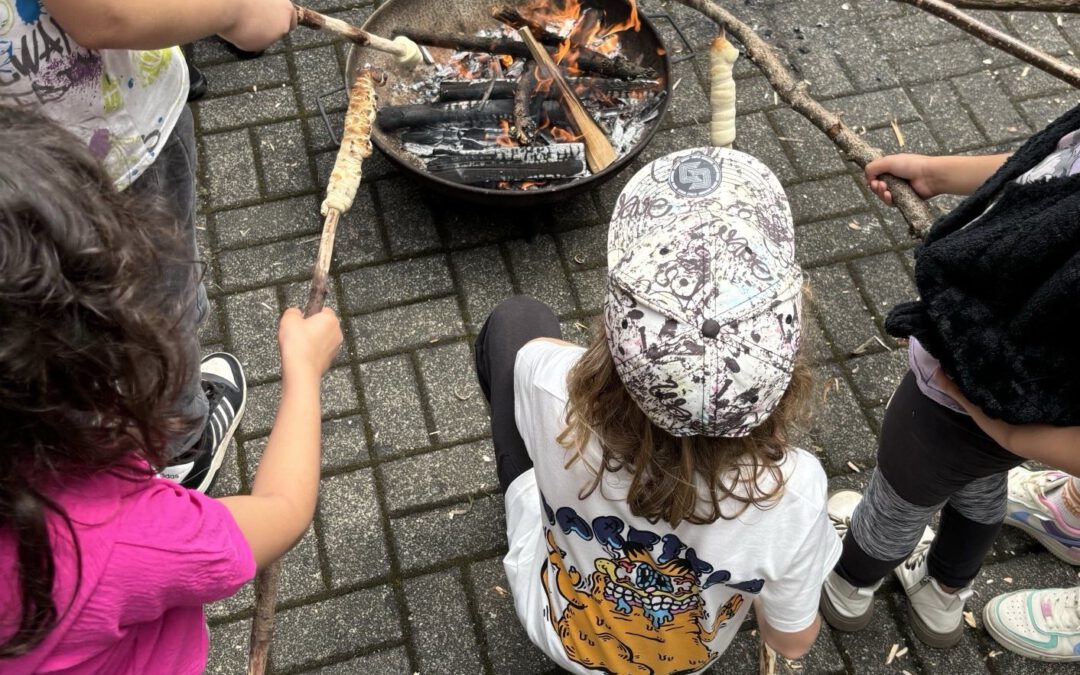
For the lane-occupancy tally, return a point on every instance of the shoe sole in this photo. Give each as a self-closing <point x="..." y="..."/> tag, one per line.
<point x="1059" y="550"/>
<point x="931" y="637"/>
<point x="226" y="439"/>
<point x="1019" y="648"/>
<point x="844" y="624"/>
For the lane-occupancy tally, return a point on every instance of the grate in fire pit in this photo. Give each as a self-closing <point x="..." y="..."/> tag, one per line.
<point x="483" y="127"/>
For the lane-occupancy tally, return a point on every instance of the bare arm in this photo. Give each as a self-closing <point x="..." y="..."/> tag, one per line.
<point x="282" y="501"/>
<point x="789" y="645"/>
<point x="1058" y="447"/>
<point x="932" y="176"/>
<point x="156" y="24"/>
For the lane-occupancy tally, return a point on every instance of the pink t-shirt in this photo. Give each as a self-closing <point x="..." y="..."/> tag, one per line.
<point x="153" y="553"/>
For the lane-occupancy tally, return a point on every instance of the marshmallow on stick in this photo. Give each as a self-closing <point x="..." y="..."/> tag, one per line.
<point x="722" y="59"/>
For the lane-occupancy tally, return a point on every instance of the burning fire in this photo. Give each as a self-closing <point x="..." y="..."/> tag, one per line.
<point x="564" y="136"/>
<point x="505" y="139"/>
<point x="582" y="27"/>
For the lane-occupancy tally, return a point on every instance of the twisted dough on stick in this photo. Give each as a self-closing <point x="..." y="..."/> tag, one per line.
<point x="722" y="59"/>
<point x="355" y="142"/>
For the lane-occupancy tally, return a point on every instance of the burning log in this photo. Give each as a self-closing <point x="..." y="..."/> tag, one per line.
<point x="393" y="118"/>
<point x="565" y="160"/>
<point x="452" y="91"/>
<point x="420" y="139"/>
<point x="525" y="96"/>
<point x="513" y="17"/>
<point x="590" y="63"/>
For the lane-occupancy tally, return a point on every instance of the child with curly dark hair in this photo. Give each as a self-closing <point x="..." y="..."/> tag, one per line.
<point x="105" y="567"/>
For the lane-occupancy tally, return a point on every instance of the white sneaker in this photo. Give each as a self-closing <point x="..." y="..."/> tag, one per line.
<point x="845" y="607"/>
<point x="1032" y="511"/>
<point x="1042" y="624"/>
<point x="936" y="617"/>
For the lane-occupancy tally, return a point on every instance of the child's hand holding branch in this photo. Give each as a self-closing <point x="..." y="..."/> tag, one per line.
<point x="931" y="176"/>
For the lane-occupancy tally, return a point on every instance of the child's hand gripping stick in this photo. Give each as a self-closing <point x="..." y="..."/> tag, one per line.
<point x="340" y="191"/>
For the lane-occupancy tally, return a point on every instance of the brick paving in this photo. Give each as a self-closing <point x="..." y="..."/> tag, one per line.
<point x="401" y="571"/>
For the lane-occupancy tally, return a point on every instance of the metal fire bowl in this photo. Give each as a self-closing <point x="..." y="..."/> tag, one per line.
<point x="469" y="16"/>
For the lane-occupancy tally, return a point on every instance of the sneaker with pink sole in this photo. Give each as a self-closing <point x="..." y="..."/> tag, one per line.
<point x="1032" y="511"/>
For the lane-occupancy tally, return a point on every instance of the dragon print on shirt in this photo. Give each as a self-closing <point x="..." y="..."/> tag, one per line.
<point x="641" y="609"/>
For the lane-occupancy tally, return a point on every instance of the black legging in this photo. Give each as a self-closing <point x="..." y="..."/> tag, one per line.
<point x="510" y="326"/>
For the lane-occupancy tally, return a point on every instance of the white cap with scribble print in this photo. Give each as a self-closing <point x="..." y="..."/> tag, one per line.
<point x="703" y="303"/>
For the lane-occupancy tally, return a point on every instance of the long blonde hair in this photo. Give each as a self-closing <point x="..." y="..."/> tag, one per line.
<point x="669" y="471"/>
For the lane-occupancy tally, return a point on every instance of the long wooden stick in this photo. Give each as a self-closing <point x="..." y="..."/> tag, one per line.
<point x="1021" y="5"/>
<point x="344" y="181"/>
<point x="795" y="93"/>
<point x="599" y="152"/>
<point x="404" y="50"/>
<point x="999" y="40"/>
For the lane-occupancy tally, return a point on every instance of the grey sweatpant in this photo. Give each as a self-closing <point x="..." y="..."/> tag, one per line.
<point x="172" y="177"/>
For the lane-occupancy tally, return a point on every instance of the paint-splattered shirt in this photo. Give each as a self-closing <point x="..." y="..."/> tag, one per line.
<point x="122" y="103"/>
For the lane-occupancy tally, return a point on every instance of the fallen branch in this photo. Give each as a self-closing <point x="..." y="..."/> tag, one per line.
<point x="914" y="209"/>
<point x="591" y="63"/>
<point x="999" y="40"/>
<point x="1021" y="5"/>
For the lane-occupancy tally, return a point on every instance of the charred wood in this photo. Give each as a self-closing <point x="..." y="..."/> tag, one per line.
<point x="565" y="160"/>
<point x="526" y="100"/>
<point x="452" y="91"/>
<point x="420" y="115"/>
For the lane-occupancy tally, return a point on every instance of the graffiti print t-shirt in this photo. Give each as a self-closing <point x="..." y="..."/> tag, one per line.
<point x="122" y="103"/>
<point x="599" y="589"/>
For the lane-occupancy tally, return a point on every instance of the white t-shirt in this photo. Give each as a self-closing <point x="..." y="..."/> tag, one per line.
<point x="600" y="589"/>
<point x="122" y="103"/>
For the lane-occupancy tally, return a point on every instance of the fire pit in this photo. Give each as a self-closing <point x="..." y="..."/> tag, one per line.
<point x="485" y="124"/>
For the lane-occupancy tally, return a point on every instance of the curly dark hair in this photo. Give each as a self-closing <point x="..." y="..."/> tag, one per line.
<point x="90" y="363"/>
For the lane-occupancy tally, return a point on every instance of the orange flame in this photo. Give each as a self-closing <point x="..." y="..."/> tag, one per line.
<point x="504" y="139"/>
<point x="564" y="136"/>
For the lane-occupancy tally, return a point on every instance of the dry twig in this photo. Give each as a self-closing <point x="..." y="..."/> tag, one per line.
<point x="914" y="209"/>
<point x="1021" y="5"/>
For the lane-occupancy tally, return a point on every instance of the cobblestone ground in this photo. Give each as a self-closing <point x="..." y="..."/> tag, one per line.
<point x="401" y="572"/>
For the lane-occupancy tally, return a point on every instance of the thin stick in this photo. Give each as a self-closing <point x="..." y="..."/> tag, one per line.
<point x="1021" y="5"/>
<point x="999" y="40"/>
<point x="344" y="181"/>
<point x="766" y="659"/>
<point x="599" y="152"/>
<point x="914" y="209"/>
<point x="404" y="50"/>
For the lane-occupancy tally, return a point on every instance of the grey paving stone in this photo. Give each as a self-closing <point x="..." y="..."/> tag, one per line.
<point x="268" y="222"/>
<point x="1041" y="111"/>
<point x="268" y="263"/>
<point x="509" y="648"/>
<point x="876" y="376"/>
<point x="991" y="108"/>
<point x="439" y="617"/>
<point x="227" y="481"/>
<point x="283" y="159"/>
<point x="814" y="345"/>
<point x="875" y="109"/>
<point x="538" y="269"/>
<point x="253" y="320"/>
<point x="336" y="627"/>
<point x="449" y="376"/>
<point x="343" y="446"/>
<point x="917" y="30"/>
<point x="410" y="227"/>
<point x="840" y="429"/>
<point x="403" y="327"/>
<point x="755" y="135"/>
<point x="454" y="473"/>
<point x="838" y="303"/>
<point x="813" y="155"/>
<point x="211" y="331"/>
<point x="829" y="241"/>
<point x="1039" y="31"/>
<point x="450" y="532"/>
<point x="395" y="412"/>
<point x="827" y="198"/>
<point x="352" y="530"/>
<point x="754" y="94"/>
<point x="868" y="649"/>
<point x="338" y="397"/>
<point x="229" y="648"/>
<point x="589" y="286"/>
<point x="578" y="331"/>
<point x="372" y="288"/>
<point x="471" y="225"/>
<point x="230" y="168"/>
<point x="263" y="105"/>
<point x="358" y="240"/>
<point x="668" y="141"/>
<point x="863" y="57"/>
<point x="689" y="102"/>
<point x="917" y="138"/>
<point x="820" y="67"/>
<point x="484" y="281"/>
<point x="585" y="247"/>
<point x="318" y="72"/>
<point x="388" y="661"/>
<point x="1024" y="81"/>
<point x="238" y="76"/>
<point x="574" y="212"/>
<point x="947" y="118"/>
<point x="886" y="280"/>
<point x="931" y="64"/>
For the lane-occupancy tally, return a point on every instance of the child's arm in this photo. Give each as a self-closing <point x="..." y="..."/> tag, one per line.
<point x="251" y="25"/>
<point x="789" y="645"/>
<point x="1058" y="447"/>
<point x="932" y="176"/>
<point x="282" y="501"/>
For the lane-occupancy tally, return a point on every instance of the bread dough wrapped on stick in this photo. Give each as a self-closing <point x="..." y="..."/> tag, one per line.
<point x="355" y="142"/>
<point x="722" y="59"/>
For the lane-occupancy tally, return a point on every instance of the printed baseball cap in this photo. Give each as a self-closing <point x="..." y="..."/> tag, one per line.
<point x="704" y="296"/>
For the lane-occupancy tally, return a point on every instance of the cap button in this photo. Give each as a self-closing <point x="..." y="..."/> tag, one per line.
<point x="710" y="329"/>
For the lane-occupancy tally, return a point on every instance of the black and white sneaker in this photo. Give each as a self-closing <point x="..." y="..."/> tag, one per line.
<point x="225" y="387"/>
